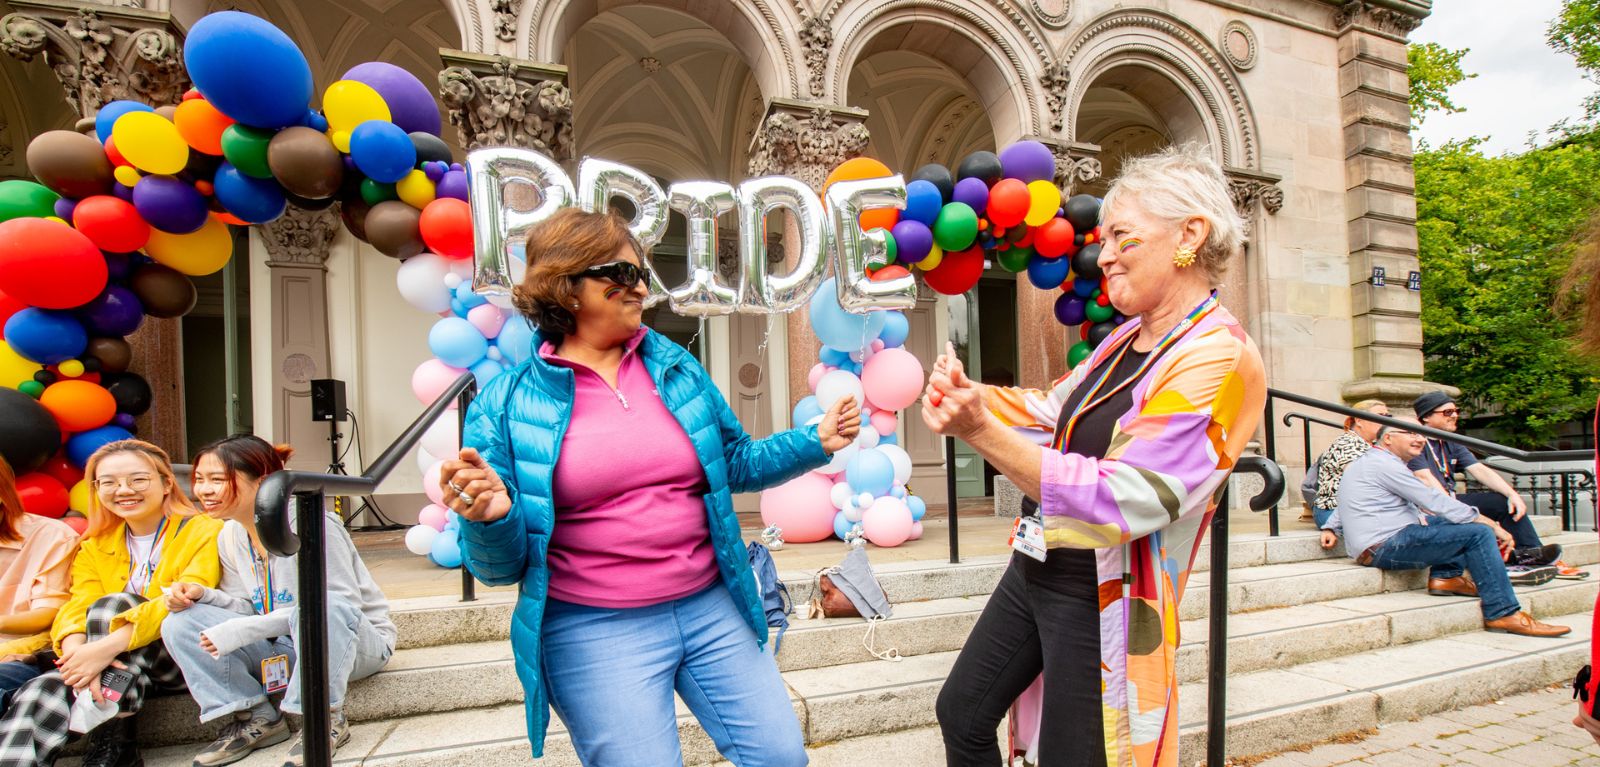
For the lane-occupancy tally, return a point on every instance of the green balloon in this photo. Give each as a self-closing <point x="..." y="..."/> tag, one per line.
<point x="33" y="389"/>
<point x="891" y="252"/>
<point x="956" y="227"/>
<point x="246" y="149"/>
<point x="25" y="199"/>
<point x="1014" y="259"/>
<point x="1097" y="313"/>
<point x="374" y="192"/>
<point x="1078" y="353"/>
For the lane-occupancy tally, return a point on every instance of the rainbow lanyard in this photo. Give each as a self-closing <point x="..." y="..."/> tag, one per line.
<point x="148" y="567"/>
<point x="1441" y="460"/>
<point x="1095" y="399"/>
<point x="263" y="572"/>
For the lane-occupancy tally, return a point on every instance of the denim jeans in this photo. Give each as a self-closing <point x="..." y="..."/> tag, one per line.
<point x="1446" y="547"/>
<point x="610" y="675"/>
<point x="13" y="675"/>
<point x="233" y="682"/>
<point x="1321" y="516"/>
<point x="1496" y="507"/>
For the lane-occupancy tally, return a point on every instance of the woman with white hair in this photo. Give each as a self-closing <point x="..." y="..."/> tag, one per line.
<point x="1145" y="431"/>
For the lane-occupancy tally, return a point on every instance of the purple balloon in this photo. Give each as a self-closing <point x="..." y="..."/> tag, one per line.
<point x="124" y="420"/>
<point x="170" y="205"/>
<point x="122" y="192"/>
<point x="452" y="184"/>
<point x="1070" y="309"/>
<point x="118" y="265"/>
<point x="1028" y="161"/>
<point x="64" y="208"/>
<point x="116" y="312"/>
<point x="914" y="239"/>
<point x="411" y="104"/>
<point x="434" y="171"/>
<point x="973" y="192"/>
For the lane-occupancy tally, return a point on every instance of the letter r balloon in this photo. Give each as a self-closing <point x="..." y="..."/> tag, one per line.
<point x="601" y="180"/>
<point x="495" y="225"/>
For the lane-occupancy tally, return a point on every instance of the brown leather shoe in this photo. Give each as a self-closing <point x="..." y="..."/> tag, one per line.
<point x="1459" y="586"/>
<point x="1524" y="624"/>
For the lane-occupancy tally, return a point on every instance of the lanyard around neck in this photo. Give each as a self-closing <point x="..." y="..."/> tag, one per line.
<point x="262" y="569"/>
<point x="148" y="567"/>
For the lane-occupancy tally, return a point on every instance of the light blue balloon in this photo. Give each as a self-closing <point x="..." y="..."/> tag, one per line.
<point x="457" y="343"/>
<point x="896" y="328"/>
<point x="918" y="508"/>
<point x="516" y="340"/>
<point x="485" y="371"/>
<point x="889" y="439"/>
<point x="841" y="526"/>
<point x="446" y="549"/>
<point x="833" y="357"/>
<point x="457" y="308"/>
<point x="838" y="328"/>
<point x="468" y="298"/>
<point x="898" y="491"/>
<point x="870" y="471"/>
<point x="805" y="410"/>
<point x="452" y="519"/>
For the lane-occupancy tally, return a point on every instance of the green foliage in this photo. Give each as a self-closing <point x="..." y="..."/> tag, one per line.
<point x="1433" y="69"/>
<point x="1576" y="32"/>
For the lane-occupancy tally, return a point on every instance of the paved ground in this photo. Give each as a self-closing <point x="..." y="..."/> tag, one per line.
<point x="1532" y="729"/>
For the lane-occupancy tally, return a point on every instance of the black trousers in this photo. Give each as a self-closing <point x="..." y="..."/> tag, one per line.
<point x="1496" y="507"/>
<point x="1043" y="617"/>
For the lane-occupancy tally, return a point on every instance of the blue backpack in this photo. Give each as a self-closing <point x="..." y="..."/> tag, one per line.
<point x="774" y="595"/>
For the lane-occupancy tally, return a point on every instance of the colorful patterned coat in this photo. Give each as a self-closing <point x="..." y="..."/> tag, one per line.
<point x="1144" y="508"/>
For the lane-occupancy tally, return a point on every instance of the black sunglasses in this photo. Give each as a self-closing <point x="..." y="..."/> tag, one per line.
<point x="624" y="273"/>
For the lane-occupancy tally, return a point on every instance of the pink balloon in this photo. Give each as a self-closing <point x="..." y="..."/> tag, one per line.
<point x="817" y="372"/>
<point x="887" y="522"/>
<point x="430" y="484"/>
<point x="802" y="507"/>
<point x="892" y="379"/>
<point x="431" y="379"/>
<point x="432" y="515"/>
<point x="487" y="318"/>
<point x="916" y="530"/>
<point x="877" y="345"/>
<point x="884" y="422"/>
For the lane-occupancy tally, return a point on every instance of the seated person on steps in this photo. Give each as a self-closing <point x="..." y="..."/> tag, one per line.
<point x="1378" y="506"/>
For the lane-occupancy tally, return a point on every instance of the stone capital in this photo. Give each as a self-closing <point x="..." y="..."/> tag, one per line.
<point x="100" y="53"/>
<point x="501" y="101"/>
<point x="1397" y="393"/>
<point x="1250" y="188"/>
<point x="806" y="140"/>
<point x="1076" y="162"/>
<point x="1377" y="17"/>
<point x="300" y="238"/>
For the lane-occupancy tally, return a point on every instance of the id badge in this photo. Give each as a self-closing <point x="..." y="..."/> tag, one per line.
<point x="1027" y="536"/>
<point x="275" y="673"/>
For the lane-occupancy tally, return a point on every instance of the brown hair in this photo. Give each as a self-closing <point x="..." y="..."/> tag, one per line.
<point x="102" y="520"/>
<point x="1580" y="286"/>
<point x="10" y="504"/>
<point x="558" y="248"/>
<point x="245" y="454"/>
<point x="1367" y="405"/>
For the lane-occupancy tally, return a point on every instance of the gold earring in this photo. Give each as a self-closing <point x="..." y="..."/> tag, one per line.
<point x="1184" y="257"/>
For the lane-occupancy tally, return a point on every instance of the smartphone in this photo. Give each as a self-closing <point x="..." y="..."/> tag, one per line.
<point x="114" y="683"/>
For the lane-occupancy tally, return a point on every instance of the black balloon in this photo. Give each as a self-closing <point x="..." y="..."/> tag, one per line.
<point x="1086" y="262"/>
<point x="353" y="212"/>
<point x="91" y="364"/>
<point x="45" y="377"/>
<point x="1083" y="212"/>
<point x="28" y="433"/>
<point x="1099" y="332"/>
<point x="430" y="147"/>
<point x="939" y="176"/>
<point x="130" y="390"/>
<point x="163" y="291"/>
<point x="980" y="165"/>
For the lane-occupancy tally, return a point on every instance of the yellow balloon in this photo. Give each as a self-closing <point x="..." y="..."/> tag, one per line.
<point x="340" y="140"/>
<point x="151" y="142"/>
<point x="415" y="189"/>
<point x="348" y="103"/>
<point x="126" y="175"/>
<point x="1044" y="199"/>
<point x="200" y="252"/>
<point x="71" y="368"/>
<point x="930" y="261"/>
<point x="14" y="368"/>
<point x="78" y="496"/>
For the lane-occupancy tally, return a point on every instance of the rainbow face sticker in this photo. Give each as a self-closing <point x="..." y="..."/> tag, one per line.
<point x="1129" y="244"/>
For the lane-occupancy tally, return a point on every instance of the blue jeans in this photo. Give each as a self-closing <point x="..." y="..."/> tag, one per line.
<point x="1321" y="516"/>
<point x="1445" y="548"/>
<point x="610" y="675"/>
<point x="13" y="675"/>
<point x="233" y="682"/>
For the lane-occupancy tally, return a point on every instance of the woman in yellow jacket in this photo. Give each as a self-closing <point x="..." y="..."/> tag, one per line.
<point x="143" y="536"/>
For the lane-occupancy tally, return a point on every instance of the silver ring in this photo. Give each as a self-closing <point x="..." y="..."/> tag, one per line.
<point x="453" y="486"/>
<point x="466" y="499"/>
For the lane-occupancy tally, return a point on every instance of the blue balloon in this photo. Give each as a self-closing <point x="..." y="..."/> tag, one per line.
<point x="446" y="549"/>
<point x="838" y="328"/>
<point x="889" y="439"/>
<point x="469" y="299"/>
<point x="1048" y="273"/>
<point x="515" y="340"/>
<point x="115" y="312"/>
<point x="254" y="200"/>
<point x="248" y="69"/>
<point x="46" y="337"/>
<point x="841" y="526"/>
<point x="457" y="343"/>
<point x="833" y="357"/>
<point x="382" y="150"/>
<point x="486" y="370"/>
<point x="457" y="308"/>
<point x="896" y="328"/>
<point x="1083" y="286"/>
<point x="805" y="410"/>
<point x="108" y="114"/>
<point x="923" y="202"/>
<point x="870" y="471"/>
<point x="315" y="121"/>
<point x="84" y="443"/>
<point x="918" y="506"/>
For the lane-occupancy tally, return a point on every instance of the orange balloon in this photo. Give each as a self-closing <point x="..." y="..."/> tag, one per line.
<point x="856" y="169"/>
<point x="880" y="218"/>
<point x="201" y="125"/>
<point x="79" y="405"/>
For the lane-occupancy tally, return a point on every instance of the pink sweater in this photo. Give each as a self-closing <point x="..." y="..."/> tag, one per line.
<point x="630" y="513"/>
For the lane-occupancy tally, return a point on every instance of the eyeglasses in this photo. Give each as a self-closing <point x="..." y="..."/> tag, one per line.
<point x="1449" y="412"/>
<point x="624" y="273"/>
<point x="138" y="483"/>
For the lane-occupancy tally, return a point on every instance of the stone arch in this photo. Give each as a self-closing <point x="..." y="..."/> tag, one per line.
<point x="1160" y="44"/>
<point x="756" y="28"/>
<point x="999" y="56"/>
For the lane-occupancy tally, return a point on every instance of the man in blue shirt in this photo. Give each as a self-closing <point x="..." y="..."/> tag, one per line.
<point x="1379" y="507"/>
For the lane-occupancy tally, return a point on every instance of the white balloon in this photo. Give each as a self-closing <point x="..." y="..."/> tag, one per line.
<point x="425" y="459"/>
<point x="900" y="458"/>
<point x="840" y="494"/>
<point x="863" y="500"/>
<point x="852" y="512"/>
<point x="868" y="438"/>
<point x="840" y="459"/>
<point x="421" y="280"/>
<point x="419" y="540"/>
<point x="452" y="281"/>
<point x="441" y="438"/>
<point x="837" y="384"/>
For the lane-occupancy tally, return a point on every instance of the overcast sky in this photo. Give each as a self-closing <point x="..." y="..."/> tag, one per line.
<point x="1522" y="84"/>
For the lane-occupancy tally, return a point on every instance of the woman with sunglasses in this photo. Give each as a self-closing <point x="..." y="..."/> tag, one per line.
<point x="35" y="574"/>
<point x="142" y="537"/>
<point x="599" y="475"/>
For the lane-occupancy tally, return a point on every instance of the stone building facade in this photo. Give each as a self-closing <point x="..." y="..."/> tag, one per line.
<point x="1303" y="102"/>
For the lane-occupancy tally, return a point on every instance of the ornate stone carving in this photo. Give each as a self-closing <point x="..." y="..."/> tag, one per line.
<point x="101" y="53"/>
<point x="817" y="37"/>
<point x="1052" y="13"/>
<point x="505" y="18"/>
<point x="806" y="140"/>
<point x="1385" y="20"/>
<point x="1056" y="79"/>
<point x="300" y="237"/>
<point x="1076" y="164"/>
<point x="1248" y="191"/>
<point x="1238" y="44"/>
<point x="500" y="101"/>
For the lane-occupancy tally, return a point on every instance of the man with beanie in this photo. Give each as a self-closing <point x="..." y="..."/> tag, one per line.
<point x="1438" y="465"/>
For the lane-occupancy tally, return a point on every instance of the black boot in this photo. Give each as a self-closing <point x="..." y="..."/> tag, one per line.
<point x="1546" y="554"/>
<point x="114" y="744"/>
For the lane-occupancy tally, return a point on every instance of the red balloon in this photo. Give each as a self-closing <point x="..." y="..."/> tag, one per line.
<point x="50" y="265"/>
<point x="890" y="272"/>
<point x="1053" y="239"/>
<point x="78" y="524"/>
<point x="111" y="223"/>
<point x="8" y="307"/>
<point x="42" y="494"/>
<point x="1008" y="203"/>
<point x="62" y="469"/>
<point x="958" y="272"/>
<point x="114" y="155"/>
<point x="1083" y="330"/>
<point x="446" y="226"/>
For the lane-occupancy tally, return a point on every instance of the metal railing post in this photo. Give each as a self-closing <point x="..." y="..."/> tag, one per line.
<point x="950" y="498"/>
<point x="469" y="585"/>
<point x="311" y="646"/>
<point x="1566" y="504"/>
<point x="1217" y="640"/>
<point x="1272" y="455"/>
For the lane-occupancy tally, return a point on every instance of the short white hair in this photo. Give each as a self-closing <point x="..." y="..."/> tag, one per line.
<point x="1179" y="183"/>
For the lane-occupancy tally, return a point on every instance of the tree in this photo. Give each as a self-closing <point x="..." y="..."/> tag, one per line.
<point x="1433" y="69"/>
<point x="1576" y="32"/>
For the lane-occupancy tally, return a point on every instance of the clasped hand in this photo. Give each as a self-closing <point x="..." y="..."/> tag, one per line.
<point x="952" y="403"/>
<point x="83" y="661"/>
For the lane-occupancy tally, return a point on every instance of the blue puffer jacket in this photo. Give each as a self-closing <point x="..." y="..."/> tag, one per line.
<point x="517" y="424"/>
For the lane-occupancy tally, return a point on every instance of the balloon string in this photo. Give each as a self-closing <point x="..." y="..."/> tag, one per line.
<point x="694" y="339"/>
<point x="766" y="335"/>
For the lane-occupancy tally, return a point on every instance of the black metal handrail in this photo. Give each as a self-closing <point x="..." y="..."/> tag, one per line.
<point x="308" y="535"/>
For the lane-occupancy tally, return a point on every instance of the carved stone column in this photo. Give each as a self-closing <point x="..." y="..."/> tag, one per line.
<point x="1077" y="164"/>
<point x="501" y="101"/>
<point x="297" y="255"/>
